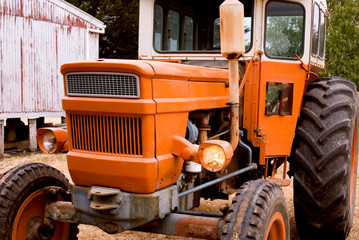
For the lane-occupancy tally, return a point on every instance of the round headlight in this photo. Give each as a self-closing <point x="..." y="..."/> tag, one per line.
<point x="215" y="155"/>
<point x="49" y="141"/>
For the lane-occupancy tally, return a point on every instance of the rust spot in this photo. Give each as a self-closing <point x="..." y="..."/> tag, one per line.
<point x="197" y="228"/>
<point x="22" y="73"/>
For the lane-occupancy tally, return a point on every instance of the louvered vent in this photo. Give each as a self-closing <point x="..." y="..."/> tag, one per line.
<point x="106" y="134"/>
<point x="102" y="84"/>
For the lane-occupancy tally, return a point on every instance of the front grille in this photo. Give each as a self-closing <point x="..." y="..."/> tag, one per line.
<point x="102" y="84"/>
<point x="106" y="134"/>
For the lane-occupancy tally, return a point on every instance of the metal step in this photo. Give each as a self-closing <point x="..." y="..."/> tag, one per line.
<point x="280" y="181"/>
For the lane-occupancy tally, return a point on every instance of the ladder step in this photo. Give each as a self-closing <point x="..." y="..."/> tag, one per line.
<point x="280" y="181"/>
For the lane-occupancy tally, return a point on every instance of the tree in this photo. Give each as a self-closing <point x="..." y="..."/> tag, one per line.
<point x="121" y="19"/>
<point x="342" y="44"/>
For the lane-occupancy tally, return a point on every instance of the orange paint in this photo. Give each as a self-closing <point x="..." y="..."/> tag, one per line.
<point x="277" y="131"/>
<point x="127" y="143"/>
<point x="276" y="228"/>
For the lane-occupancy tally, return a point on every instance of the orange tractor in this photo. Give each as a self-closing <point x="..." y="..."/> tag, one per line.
<point x="223" y="94"/>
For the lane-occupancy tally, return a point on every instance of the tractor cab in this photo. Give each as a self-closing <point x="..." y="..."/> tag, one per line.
<point x="189" y="31"/>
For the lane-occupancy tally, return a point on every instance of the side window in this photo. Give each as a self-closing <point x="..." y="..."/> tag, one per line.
<point x="322" y="34"/>
<point x="315" y="30"/>
<point x="279" y="99"/>
<point x="318" y="32"/>
<point x="284" y="29"/>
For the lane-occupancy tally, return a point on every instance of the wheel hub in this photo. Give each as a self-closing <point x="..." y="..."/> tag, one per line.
<point x="37" y="230"/>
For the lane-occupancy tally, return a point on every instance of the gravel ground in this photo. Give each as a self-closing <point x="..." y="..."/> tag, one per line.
<point x="91" y="233"/>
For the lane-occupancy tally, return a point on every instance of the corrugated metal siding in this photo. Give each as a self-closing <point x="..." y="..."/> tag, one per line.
<point x="36" y="38"/>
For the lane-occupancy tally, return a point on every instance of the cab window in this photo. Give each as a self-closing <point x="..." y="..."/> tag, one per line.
<point x="247" y="33"/>
<point x="322" y="28"/>
<point x="173" y="31"/>
<point x="193" y="26"/>
<point x="318" y="32"/>
<point x="279" y="99"/>
<point x="284" y="30"/>
<point x="315" y="31"/>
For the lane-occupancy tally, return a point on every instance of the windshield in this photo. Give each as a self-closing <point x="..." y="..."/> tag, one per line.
<point x="193" y="26"/>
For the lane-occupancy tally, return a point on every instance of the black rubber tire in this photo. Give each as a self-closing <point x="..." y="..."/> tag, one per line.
<point x="323" y="159"/>
<point x="17" y="184"/>
<point x="252" y="209"/>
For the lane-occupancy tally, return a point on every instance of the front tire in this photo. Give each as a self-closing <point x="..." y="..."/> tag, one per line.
<point x="22" y="203"/>
<point x="326" y="161"/>
<point x="258" y="211"/>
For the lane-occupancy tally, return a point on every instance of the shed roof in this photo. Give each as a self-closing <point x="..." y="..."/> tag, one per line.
<point x="78" y="12"/>
<point x="55" y="11"/>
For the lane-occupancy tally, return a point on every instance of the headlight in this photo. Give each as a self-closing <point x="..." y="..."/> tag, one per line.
<point x="49" y="141"/>
<point x="215" y="155"/>
<point x="52" y="140"/>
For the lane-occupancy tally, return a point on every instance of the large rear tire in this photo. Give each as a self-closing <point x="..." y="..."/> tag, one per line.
<point x="326" y="161"/>
<point x="258" y="211"/>
<point x="22" y="203"/>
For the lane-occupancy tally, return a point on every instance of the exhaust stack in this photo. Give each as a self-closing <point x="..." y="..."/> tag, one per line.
<point x="232" y="47"/>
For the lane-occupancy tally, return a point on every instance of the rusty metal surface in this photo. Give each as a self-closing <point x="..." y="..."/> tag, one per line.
<point x="61" y="211"/>
<point x="190" y="226"/>
<point x="118" y="211"/>
<point x="186" y="226"/>
<point x="36" y="38"/>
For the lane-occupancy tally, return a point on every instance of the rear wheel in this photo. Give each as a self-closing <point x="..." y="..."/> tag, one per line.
<point x="258" y="211"/>
<point x="326" y="161"/>
<point x="23" y="197"/>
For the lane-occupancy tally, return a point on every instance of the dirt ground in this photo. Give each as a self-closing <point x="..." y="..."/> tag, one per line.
<point x="91" y="233"/>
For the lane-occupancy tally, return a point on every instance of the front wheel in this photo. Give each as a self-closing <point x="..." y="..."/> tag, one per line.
<point x="258" y="211"/>
<point x="23" y="198"/>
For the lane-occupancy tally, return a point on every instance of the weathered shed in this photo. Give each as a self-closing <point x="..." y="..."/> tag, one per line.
<point x="36" y="38"/>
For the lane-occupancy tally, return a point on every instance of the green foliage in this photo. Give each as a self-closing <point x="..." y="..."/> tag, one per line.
<point x="342" y="44"/>
<point x="121" y="19"/>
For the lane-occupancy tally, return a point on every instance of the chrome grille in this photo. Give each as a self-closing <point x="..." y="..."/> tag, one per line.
<point x="102" y="84"/>
<point x="106" y="134"/>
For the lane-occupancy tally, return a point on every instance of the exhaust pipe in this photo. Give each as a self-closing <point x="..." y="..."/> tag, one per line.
<point x="232" y="48"/>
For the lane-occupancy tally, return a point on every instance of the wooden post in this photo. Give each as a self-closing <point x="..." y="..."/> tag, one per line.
<point x="32" y="135"/>
<point x="2" y="137"/>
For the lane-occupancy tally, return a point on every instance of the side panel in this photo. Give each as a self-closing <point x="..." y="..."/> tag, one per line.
<point x="278" y="130"/>
<point x="174" y="100"/>
<point x="171" y="97"/>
